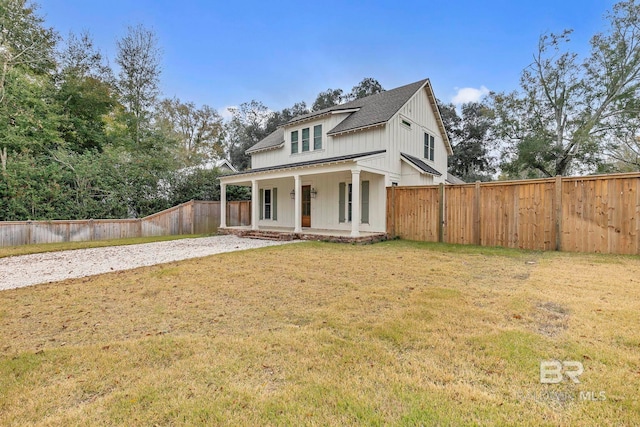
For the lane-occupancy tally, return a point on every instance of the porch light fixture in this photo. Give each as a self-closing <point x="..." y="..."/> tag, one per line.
<point x="314" y="193"/>
<point x="293" y="194"/>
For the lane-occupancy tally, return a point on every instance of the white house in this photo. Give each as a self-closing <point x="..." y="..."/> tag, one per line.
<point x="328" y="170"/>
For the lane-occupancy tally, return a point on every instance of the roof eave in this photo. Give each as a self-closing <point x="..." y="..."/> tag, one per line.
<point x="273" y="147"/>
<point x="436" y="111"/>
<point x="333" y="133"/>
<point x="418" y="168"/>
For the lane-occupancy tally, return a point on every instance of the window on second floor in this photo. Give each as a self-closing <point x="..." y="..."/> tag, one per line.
<point x="305" y="139"/>
<point x="429" y="146"/>
<point x="317" y="137"/>
<point x="294" y="142"/>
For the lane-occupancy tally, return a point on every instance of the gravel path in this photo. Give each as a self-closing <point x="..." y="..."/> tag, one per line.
<point x="27" y="270"/>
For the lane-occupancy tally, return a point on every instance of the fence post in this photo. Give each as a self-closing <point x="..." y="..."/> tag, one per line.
<point x="180" y="209"/>
<point x="477" y="220"/>
<point x="441" y="214"/>
<point x="558" y="211"/>
<point x="92" y="230"/>
<point x="393" y="211"/>
<point x="193" y="217"/>
<point x="29" y="232"/>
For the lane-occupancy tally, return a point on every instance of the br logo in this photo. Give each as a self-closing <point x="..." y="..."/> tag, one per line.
<point x="553" y="371"/>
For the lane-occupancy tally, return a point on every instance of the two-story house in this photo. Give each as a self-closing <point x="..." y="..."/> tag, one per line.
<point x="328" y="170"/>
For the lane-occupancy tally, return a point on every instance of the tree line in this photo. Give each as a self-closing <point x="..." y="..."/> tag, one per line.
<point x="79" y="139"/>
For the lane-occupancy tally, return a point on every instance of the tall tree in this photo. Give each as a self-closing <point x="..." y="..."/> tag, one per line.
<point x="86" y="94"/>
<point x="25" y="45"/>
<point x="367" y="87"/>
<point x="567" y="108"/>
<point x="470" y="137"/>
<point x="278" y="118"/>
<point x="328" y="98"/>
<point x="139" y="79"/>
<point x="248" y="125"/>
<point x="199" y="131"/>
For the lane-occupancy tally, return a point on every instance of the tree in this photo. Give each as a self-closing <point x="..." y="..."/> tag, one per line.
<point x="327" y="99"/>
<point x="27" y="45"/>
<point x="367" y="87"/>
<point x="247" y="127"/>
<point x="567" y="109"/>
<point x="85" y="94"/>
<point x="199" y="131"/>
<point x="469" y="135"/>
<point x="139" y="78"/>
<point x="279" y="118"/>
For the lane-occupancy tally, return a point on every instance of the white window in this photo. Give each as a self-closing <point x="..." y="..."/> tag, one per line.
<point x="267" y="203"/>
<point x="429" y="146"/>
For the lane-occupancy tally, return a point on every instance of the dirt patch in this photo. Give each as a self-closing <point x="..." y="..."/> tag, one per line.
<point x="551" y="318"/>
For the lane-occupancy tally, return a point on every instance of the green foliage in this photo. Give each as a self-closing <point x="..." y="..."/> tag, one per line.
<point x="469" y="135"/>
<point x="367" y="87"/>
<point x="570" y="112"/>
<point x="199" y="132"/>
<point x="196" y="184"/>
<point x="28" y="116"/>
<point x="328" y="98"/>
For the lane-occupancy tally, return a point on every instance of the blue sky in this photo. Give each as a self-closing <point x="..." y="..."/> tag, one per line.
<point x="281" y="52"/>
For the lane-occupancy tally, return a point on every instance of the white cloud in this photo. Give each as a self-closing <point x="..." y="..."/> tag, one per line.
<point x="469" y="94"/>
<point x="225" y="113"/>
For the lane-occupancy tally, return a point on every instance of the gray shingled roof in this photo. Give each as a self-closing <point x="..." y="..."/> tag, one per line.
<point x="378" y="108"/>
<point x="420" y="164"/>
<point x="273" y="140"/>
<point x="372" y="110"/>
<point x="308" y="163"/>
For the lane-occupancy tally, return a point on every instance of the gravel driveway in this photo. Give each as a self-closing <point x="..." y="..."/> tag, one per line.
<point x="27" y="270"/>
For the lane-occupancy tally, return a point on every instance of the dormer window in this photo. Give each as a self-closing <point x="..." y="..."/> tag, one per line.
<point x="294" y="142"/>
<point x="317" y="137"/>
<point x="302" y="141"/>
<point x="305" y="139"/>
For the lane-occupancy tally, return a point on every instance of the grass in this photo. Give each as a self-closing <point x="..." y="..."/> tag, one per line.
<point x="396" y="333"/>
<point x="65" y="246"/>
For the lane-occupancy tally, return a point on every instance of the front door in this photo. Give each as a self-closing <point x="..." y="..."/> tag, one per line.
<point x="306" y="206"/>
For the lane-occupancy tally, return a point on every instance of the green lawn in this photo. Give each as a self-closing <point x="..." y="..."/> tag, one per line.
<point x="396" y="333"/>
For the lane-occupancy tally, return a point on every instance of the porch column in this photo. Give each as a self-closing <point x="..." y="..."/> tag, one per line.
<point x="355" y="203"/>
<point x="298" y="204"/>
<point x="223" y="205"/>
<point x="255" y="205"/>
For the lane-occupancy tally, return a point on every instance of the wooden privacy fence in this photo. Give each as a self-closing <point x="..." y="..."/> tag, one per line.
<point x="194" y="217"/>
<point x="579" y="214"/>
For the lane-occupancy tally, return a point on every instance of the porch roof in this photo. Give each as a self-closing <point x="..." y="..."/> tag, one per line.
<point x="316" y="162"/>
<point x="419" y="164"/>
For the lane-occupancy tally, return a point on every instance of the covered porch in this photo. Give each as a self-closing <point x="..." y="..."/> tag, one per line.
<point x="334" y="198"/>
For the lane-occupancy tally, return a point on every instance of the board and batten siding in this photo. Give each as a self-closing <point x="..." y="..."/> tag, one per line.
<point x="420" y="114"/>
<point x="324" y="208"/>
<point x="332" y="146"/>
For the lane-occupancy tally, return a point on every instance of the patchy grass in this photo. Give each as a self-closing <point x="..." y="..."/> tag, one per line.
<point x="66" y="246"/>
<point x="325" y="334"/>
